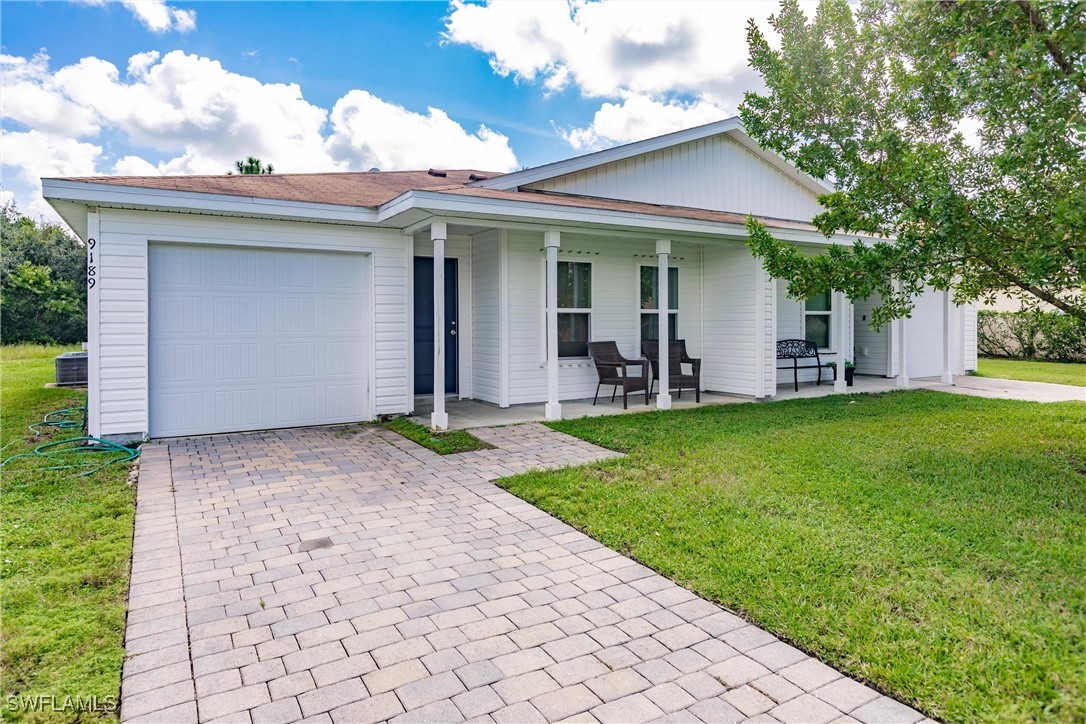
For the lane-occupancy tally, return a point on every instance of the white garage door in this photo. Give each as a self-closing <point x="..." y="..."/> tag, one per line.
<point x="924" y="336"/>
<point x="249" y="339"/>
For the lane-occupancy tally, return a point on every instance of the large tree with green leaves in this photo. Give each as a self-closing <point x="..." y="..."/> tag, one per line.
<point x="43" y="272"/>
<point x="954" y="136"/>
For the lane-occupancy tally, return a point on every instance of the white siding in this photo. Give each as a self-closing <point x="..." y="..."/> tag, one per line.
<point x="615" y="313"/>
<point x="969" y="336"/>
<point x="729" y="363"/>
<point x="872" y="347"/>
<point x="712" y="173"/>
<point x="123" y="290"/>
<point x="486" y="317"/>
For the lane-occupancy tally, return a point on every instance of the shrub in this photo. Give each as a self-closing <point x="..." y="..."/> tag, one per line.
<point x="1031" y="334"/>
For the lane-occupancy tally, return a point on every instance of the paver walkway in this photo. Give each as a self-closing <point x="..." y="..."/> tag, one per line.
<point x="349" y="575"/>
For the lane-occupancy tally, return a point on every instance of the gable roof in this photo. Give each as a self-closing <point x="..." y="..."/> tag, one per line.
<point x="345" y="189"/>
<point x="732" y="127"/>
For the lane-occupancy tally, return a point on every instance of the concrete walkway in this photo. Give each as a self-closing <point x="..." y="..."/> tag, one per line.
<point x="348" y="575"/>
<point x="1014" y="389"/>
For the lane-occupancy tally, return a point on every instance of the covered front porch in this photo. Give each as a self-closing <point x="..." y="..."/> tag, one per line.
<point x="501" y="315"/>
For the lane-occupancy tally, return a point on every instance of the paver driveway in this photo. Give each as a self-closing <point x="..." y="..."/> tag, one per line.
<point x="349" y="575"/>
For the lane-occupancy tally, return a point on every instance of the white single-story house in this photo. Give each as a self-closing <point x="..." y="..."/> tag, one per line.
<point x="231" y="303"/>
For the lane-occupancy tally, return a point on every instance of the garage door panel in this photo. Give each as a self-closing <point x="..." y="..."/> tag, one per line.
<point x="244" y="339"/>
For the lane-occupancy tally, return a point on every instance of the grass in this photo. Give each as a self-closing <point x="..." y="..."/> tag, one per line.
<point x="443" y="443"/>
<point x="1060" y="373"/>
<point x="65" y="550"/>
<point x="933" y="545"/>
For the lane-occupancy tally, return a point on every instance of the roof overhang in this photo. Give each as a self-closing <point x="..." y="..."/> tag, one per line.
<point x="536" y="212"/>
<point x="410" y="210"/>
<point x="68" y="196"/>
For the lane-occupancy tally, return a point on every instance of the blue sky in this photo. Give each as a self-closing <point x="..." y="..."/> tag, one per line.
<point x="150" y="87"/>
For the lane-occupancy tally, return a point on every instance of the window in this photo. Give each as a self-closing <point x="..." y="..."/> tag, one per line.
<point x="816" y="319"/>
<point x="575" y="308"/>
<point x="650" y="295"/>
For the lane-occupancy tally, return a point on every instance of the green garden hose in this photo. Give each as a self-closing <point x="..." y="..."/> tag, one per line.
<point x="65" y="420"/>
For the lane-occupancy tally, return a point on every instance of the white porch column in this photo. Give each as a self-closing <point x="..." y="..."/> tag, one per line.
<point x="902" y="353"/>
<point x="948" y="328"/>
<point x="840" y="319"/>
<point x="551" y="241"/>
<point x="439" y="420"/>
<point x="663" y="397"/>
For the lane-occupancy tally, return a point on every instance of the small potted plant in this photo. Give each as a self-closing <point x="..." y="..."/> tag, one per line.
<point x="850" y="371"/>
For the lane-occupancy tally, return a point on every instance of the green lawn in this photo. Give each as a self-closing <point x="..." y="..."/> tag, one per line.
<point x="443" y="443"/>
<point x="933" y="545"/>
<point x="1061" y="373"/>
<point x="65" y="550"/>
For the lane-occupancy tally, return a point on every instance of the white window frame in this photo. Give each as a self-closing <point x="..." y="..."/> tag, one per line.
<point x="641" y="311"/>
<point x="566" y="310"/>
<point x="828" y="314"/>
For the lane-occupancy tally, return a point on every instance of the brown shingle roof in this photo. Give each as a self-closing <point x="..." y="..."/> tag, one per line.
<point x="374" y="189"/>
<point x="348" y="189"/>
<point x="633" y="207"/>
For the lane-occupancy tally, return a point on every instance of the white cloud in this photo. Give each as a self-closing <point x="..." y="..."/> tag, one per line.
<point x="639" y="117"/>
<point x="368" y="132"/>
<point x="159" y="17"/>
<point x="661" y="66"/>
<point x="615" y="49"/>
<point x="32" y="97"/>
<point x="194" y="116"/>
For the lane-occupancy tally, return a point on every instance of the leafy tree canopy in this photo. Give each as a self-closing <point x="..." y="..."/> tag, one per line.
<point x="42" y="281"/>
<point x="252" y="165"/>
<point x="874" y="99"/>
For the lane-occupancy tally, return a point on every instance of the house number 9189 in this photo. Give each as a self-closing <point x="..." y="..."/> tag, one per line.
<point x="91" y="271"/>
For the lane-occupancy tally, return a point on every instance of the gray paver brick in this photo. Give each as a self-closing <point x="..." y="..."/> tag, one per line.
<point x="426" y="691"/>
<point x="522" y="713"/>
<point x="618" y="684"/>
<point x="330" y="697"/>
<point x="886" y="710"/>
<point x="634" y="708"/>
<point x="478" y="674"/>
<point x="281" y="711"/>
<point x="369" y="711"/>
<point x="472" y="602"/>
<point x="737" y="671"/>
<point x="565" y="702"/>
<point x="670" y="697"/>
<point x="477" y="702"/>
<point x="526" y="686"/>
<point x="810" y="674"/>
<point x="846" y="694"/>
<point x="230" y="702"/>
<point x="805" y="709"/>
<point x="749" y="700"/>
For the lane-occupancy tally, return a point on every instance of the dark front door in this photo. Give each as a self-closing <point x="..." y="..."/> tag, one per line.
<point x="424" y="325"/>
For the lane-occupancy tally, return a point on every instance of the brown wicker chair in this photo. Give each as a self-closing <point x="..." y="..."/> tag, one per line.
<point x="611" y="367"/>
<point x="678" y="356"/>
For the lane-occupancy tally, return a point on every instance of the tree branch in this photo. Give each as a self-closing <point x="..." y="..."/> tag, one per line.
<point x="1053" y="49"/>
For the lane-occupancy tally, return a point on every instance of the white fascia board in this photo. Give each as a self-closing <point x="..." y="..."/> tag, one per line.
<point x="476" y="208"/>
<point x="579" y="163"/>
<point x="131" y="197"/>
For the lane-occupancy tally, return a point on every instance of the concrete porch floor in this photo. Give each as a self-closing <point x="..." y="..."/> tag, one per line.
<point x="464" y="414"/>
